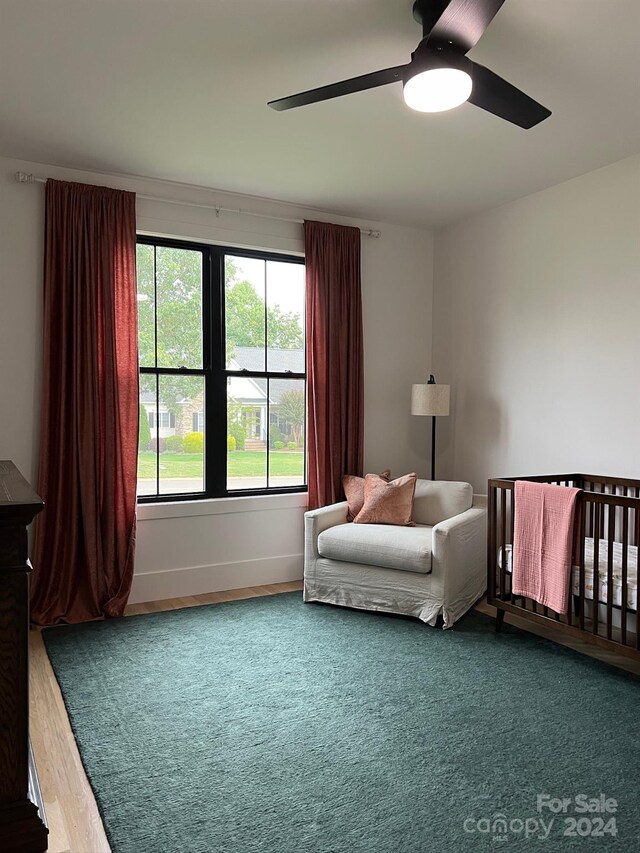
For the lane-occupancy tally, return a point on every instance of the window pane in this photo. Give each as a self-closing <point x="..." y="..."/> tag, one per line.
<point x="247" y="419"/>
<point x="286" y="432"/>
<point x="179" y="307"/>
<point x="146" y="305"/>
<point x="171" y="453"/>
<point x="244" y="313"/>
<point x="147" y="458"/>
<point x="285" y="316"/>
<point x="181" y="447"/>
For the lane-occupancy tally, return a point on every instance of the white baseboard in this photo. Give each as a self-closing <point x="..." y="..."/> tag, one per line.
<point x="194" y="580"/>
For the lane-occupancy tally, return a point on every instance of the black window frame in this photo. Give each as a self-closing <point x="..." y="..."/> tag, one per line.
<point x="215" y="373"/>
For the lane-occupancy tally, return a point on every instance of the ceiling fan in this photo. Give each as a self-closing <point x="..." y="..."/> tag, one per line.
<point x="440" y="76"/>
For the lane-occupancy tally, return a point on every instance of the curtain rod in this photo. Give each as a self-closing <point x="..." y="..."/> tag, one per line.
<point x="28" y="178"/>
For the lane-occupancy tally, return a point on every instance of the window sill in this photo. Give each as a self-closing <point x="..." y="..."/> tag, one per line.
<point x="221" y="506"/>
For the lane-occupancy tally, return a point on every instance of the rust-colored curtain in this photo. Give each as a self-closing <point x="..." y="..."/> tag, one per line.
<point x="85" y="537"/>
<point x="335" y="381"/>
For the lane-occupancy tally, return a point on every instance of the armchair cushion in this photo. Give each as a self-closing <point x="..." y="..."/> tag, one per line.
<point x="435" y="501"/>
<point x="382" y="545"/>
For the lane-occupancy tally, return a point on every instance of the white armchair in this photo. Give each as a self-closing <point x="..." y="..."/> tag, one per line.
<point x="436" y="568"/>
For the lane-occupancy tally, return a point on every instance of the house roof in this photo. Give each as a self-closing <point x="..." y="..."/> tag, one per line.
<point x="278" y="360"/>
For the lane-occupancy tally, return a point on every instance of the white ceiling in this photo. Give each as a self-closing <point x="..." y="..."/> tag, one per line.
<point x="177" y="89"/>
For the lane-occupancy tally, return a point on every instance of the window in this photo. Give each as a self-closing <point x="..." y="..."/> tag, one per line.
<point x="163" y="419"/>
<point x="222" y="371"/>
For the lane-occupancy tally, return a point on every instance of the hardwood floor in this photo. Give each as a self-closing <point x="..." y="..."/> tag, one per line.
<point x="74" y="821"/>
<point x="578" y="645"/>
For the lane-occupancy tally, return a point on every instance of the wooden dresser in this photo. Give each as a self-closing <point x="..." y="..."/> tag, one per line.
<point x="22" y="819"/>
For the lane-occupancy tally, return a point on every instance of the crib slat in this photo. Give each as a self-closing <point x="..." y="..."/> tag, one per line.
<point x="512" y="514"/>
<point x="612" y="536"/>
<point x="503" y="543"/>
<point x="637" y="529"/>
<point x="596" y="565"/>
<point x="625" y="560"/>
<point x="583" y="522"/>
<point x="601" y="513"/>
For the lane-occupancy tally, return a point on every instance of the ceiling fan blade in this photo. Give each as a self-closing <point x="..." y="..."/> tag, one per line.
<point x="495" y="95"/>
<point x="462" y="22"/>
<point x="336" y="90"/>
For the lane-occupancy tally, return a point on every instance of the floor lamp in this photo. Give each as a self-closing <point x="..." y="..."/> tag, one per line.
<point x="433" y="400"/>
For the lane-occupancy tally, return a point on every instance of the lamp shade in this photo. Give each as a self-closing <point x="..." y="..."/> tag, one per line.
<point x="430" y="399"/>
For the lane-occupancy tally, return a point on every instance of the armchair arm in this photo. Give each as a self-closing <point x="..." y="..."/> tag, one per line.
<point x="317" y="520"/>
<point x="459" y="550"/>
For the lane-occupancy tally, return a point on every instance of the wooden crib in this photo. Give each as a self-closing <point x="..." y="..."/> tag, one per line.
<point x="602" y="604"/>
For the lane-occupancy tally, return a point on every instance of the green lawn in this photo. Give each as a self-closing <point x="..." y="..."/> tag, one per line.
<point x="240" y="463"/>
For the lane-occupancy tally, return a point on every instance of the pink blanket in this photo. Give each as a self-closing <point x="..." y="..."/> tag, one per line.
<point x="542" y="542"/>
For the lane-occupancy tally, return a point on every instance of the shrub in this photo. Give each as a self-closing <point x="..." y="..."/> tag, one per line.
<point x="193" y="442"/>
<point x="231" y="442"/>
<point x="278" y="445"/>
<point x="174" y="444"/>
<point x="159" y="444"/>
<point x="239" y="433"/>
<point x="292" y="445"/>
<point x="144" y="434"/>
<point x="274" y="435"/>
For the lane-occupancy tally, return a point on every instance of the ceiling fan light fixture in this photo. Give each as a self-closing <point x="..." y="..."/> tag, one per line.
<point x="440" y="76"/>
<point x="437" y="89"/>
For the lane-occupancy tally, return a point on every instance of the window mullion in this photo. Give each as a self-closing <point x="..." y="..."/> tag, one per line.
<point x="268" y="423"/>
<point x="155" y="361"/>
<point x="215" y="409"/>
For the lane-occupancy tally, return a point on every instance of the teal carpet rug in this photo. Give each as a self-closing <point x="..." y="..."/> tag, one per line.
<point x="270" y="726"/>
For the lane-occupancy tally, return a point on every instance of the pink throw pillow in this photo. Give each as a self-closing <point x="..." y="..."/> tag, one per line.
<point x="354" y="490"/>
<point x="387" y="503"/>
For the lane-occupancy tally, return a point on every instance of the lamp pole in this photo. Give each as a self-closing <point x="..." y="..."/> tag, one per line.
<point x="432" y="381"/>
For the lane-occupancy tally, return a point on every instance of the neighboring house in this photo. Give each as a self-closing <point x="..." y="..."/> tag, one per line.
<point x="162" y="422"/>
<point x="247" y="397"/>
<point x="251" y="394"/>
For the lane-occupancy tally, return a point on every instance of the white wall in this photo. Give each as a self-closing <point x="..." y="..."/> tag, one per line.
<point x="537" y="328"/>
<point x="186" y="549"/>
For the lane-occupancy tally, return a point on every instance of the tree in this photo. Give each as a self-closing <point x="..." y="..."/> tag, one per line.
<point x="245" y="315"/>
<point x="292" y="410"/>
<point x="178" y="293"/>
<point x="174" y="284"/>
<point x="172" y="279"/>
<point x="176" y="289"/>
